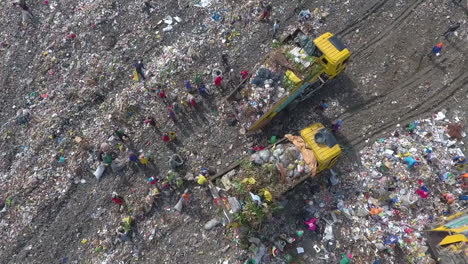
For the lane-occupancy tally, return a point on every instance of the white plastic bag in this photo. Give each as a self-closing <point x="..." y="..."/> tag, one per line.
<point x="99" y="171"/>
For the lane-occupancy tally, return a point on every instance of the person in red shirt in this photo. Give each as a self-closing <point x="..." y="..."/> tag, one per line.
<point x="152" y="180"/>
<point x="150" y="122"/>
<point x="192" y="100"/>
<point x="218" y="80"/>
<point x="162" y="94"/>
<point x="244" y="74"/>
<point x="117" y="200"/>
<point x="464" y="181"/>
<point x="166" y="137"/>
<point x="265" y="13"/>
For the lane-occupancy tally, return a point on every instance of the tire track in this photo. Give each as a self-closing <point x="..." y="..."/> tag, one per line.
<point x="372" y="10"/>
<point x="386" y="32"/>
<point x="410" y="83"/>
<point x="435" y="102"/>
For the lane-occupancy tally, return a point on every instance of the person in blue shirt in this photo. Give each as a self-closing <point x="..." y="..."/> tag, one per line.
<point x="437" y="49"/>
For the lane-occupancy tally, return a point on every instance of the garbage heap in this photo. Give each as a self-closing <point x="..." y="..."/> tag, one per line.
<point x="279" y="75"/>
<point x="287" y="156"/>
<point x="412" y="180"/>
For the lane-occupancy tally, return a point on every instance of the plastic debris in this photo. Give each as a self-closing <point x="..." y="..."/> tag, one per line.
<point x="99" y="171"/>
<point x="212" y="223"/>
<point x="311" y="224"/>
<point x="256" y="199"/>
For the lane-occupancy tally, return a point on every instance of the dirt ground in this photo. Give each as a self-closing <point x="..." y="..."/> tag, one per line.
<point x="391" y="79"/>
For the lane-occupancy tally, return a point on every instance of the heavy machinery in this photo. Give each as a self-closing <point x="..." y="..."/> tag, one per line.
<point x="448" y="239"/>
<point x="271" y="172"/>
<point x="292" y="72"/>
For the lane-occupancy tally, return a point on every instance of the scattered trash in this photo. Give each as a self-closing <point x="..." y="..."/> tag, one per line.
<point x="63" y="131"/>
<point x="167" y="28"/>
<point x="99" y="171"/>
<point x="212" y="223"/>
<point x="175" y="161"/>
<point x="311" y="224"/>
<point x="346" y="259"/>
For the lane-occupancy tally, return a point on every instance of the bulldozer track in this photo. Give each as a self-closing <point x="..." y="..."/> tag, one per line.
<point x="372" y="10"/>
<point x="386" y="32"/>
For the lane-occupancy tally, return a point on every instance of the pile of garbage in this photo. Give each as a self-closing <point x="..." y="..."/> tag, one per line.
<point x="78" y="90"/>
<point x="285" y="156"/>
<point x="280" y="74"/>
<point x="408" y="184"/>
<point x="411" y="180"/>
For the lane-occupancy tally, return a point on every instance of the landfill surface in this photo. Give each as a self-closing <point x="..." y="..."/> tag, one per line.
<point x="68" y="85"/>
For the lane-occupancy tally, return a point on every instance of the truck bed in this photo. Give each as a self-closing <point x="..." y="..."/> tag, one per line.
<point x="269" y="90"/>
<point x="283" y="170"/>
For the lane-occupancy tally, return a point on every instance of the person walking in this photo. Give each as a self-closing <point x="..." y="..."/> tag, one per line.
<point x="172" y="113"/>
<point x="265" y="13"/>
<point x="150" y="122"/>
<point x="172" y="135"/>
<point x="139" y="69"/>
<point x="26" y="14"/>
<point x="244" y="74"/>
<point x="121" y="135"/>
<point x="437" y="49"/>
<point x="218" y="81"/>
<point x="276" y="27"/>
<point x="188" y="85"/>
<point x="191" y="100"/>
<point x="117" y="199"/>
<point x="147" y="8"/>
<point x="176" y="107"/>
<point x="337" y="126"/>
<point x="202" y="90"/>
<point x="166" y="138"/>
<point x="162" y="93"/>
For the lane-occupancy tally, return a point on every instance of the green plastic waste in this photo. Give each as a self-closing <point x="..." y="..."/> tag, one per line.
<point x="273" y="140"/>
<point x="345" y="259"/>
<point x="411" y="127"/>
<point x="108" y="159"/>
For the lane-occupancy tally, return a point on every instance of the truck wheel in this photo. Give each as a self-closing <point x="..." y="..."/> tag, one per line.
<point x="324" y="76"/>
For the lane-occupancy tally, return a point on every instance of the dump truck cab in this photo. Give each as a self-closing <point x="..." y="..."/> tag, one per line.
<point x="331" y="53"/>
<point x="328" y="50"/>
<point x="324" y="145"/>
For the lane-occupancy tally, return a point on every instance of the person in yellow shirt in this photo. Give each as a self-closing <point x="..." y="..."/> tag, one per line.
<point x="172" y="136"/>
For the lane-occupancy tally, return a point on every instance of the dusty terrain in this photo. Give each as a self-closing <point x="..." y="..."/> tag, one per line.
<point x="88" y="92"/>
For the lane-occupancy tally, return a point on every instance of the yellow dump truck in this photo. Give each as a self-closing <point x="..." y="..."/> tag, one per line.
<point x="448" y="240"/>
<point x="269" y="173"/>
<point x="292" y="72"/>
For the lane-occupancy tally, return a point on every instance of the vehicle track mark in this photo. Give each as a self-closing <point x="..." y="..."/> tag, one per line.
<point x="429" y="105"/>
<point x="386" y="32"/>
<point x="372" y="10"/>
<point x="411" y="82"/>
